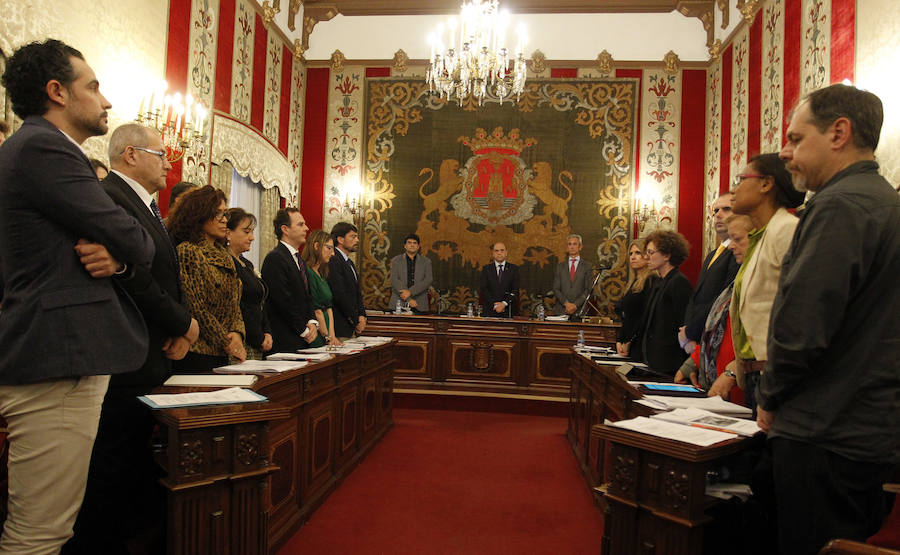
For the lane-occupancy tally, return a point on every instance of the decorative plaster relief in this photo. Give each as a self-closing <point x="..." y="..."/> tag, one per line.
<point x="251" y="155"/>
<point x="272" y="103"/>
<point x="660" y="148"/>
<point x="815" y="46"/>
<point x="295" y="128"/>
<point x="712" y="165"/>
<point x="740" y="99"/>
<point x="343" y="141"/>
<point x="242" y="61"/>
<point x="772" y="110"/>
<point x="203" y="35"/>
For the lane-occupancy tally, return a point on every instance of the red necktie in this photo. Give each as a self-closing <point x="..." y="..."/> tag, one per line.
<point x="572" y="271"/>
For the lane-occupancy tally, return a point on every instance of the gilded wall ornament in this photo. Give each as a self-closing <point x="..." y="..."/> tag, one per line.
<point x="299" y="50"/>
<point x="715" y="50"/>
<point x="538" y="62"/>
<point x="723" y="7"/>
<point x="604" y="63"/>
<point x="269" y="12"/>
<point x="671" y="60"/>
<point x="293" y="10"/>
<point x="337" y="61"/>
<point x="748" y="8"/>
<point x="401" y="61"/>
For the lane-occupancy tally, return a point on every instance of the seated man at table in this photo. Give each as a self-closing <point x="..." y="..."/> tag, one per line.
<point x="572" y="279"/>
<point x="410" y="277"/>
<point x="499" y="284"/>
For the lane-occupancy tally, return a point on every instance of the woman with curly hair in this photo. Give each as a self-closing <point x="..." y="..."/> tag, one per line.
<point x="631" y="306"/>
<point x="666" y="250"/>
<point x="317" y="252"/>
<point x="211" y="284"/>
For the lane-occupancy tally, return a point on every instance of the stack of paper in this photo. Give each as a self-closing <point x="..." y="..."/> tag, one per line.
<point x="210" y="380"/>
<point x="368" y="340"/>
<point x="312" y="357"/>
<point x="713" y="404"/>
<point x="261" y="367"/>
<point x="220" y="397"/>
<point x="347" y="349"/>
<point x="710" y="420"/>
<point x="558" y="318"/>
<point x="688" y="434"/>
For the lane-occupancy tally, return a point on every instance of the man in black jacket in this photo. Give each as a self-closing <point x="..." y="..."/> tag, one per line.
<point x="289" y="305"/>
<point x="343" y="278"/>
<point x="66" y="324"/>
<point x="499" y="285"/>
<point x="122" y="467"/>
<point x="829" y="396"/>
<point x="718" y="271"/>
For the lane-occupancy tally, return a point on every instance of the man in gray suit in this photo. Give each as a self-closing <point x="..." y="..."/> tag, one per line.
<point x="410" y="277"/>
<point x="66" y="325"/>
<point x="572" y="279"/>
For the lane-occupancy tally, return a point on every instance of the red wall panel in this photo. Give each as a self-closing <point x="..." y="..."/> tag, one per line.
<point x="225" y="46"/>
<point x="258" y="96"/>
<point x="691" y="209"/>
<point x="313" y="178"/>
<point x="843" y="39"/>
<point x="176" y="74"/>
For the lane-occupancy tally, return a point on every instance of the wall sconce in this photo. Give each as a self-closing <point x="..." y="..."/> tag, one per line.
<point x="180" y="122"/>
<point x="645" y="207"/>
<point x="351" y="201"/>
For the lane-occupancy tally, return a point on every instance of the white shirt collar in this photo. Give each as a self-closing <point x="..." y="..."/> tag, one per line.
<point x="499" y="264"/>
<point x="726" y="242"/>
<point x="137" y="188"/>
<point x="292" y="250"/>
<point x="575" y="258"/>
<point x="342" y="253"/>
<point x="71" y="139"/>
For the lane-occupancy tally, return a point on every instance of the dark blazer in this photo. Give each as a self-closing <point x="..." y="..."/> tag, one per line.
<point x="493" y="290"/>
<point x="712" y="281"/>
<point x="663" y="318"/>
<point x="253" y="304"/>
<point x="58" y="321"/>
<point x="348" y="302"/>
<point x="289" y="306"/>
<point x="157" y="290"/>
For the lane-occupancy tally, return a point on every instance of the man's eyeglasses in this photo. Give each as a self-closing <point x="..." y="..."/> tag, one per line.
<point x="739" y="178"/>
<point x="160" y="153"/>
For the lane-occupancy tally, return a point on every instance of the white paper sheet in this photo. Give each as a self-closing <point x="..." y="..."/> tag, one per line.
<point x="219" y="397"/>
<point x="687" y="434"/>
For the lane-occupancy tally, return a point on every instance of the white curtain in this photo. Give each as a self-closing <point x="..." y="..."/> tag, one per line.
<point x="247" y="194"/>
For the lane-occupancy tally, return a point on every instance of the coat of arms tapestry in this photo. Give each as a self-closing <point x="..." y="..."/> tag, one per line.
<point x="558" y="161"/>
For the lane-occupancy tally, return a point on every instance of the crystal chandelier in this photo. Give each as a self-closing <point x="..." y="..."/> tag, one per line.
<point x="180" y="123"/>
<point x="476" y="61"/>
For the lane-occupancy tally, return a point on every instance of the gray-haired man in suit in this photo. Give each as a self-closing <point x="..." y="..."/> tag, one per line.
<point x="410" y="276"/>
<point x="572" y="279"/>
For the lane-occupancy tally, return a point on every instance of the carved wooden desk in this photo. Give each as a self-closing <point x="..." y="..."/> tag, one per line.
<point x="493" y="355"/>
<point x="242" y="479"/>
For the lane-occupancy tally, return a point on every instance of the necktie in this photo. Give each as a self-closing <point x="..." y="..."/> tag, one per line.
<point x="155" y="209"/>
<point x="500" y="272"/>
<point x="719" y="251"/>
<point x="572" y="271"/>
<point x="353" y="268"/>
<point x="302" y="270"/>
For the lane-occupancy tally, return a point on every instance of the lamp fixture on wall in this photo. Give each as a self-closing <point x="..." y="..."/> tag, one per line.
<point x="476" y="61"/>
<point x="645" y="208"/>
<point x="179" y="121"/>
<point x="351" y="201"/>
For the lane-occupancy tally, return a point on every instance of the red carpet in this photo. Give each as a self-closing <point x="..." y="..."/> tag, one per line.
<point x="460" y="482"/>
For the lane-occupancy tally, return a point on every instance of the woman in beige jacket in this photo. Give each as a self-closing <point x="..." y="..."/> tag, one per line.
<point x="764" y="191"/>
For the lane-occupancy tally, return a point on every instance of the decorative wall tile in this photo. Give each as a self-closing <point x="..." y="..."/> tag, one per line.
<point x="815" y="45"/>
<point x="272" y="108"/>
<point x="712" y="166"/>
<point x="242" y="61"/>
<point x="343" y="142"/>
<point x="740" y="100"/>
<point x="295" y="129"/>
<point x="661" y="137"/>
<point x="204" y="27"/>
<point x="772" y="87"/>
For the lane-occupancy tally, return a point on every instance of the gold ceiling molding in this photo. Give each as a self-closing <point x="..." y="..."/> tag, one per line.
<point x="715" y="50"/>
<point x="312" y="14"/>
<point x="538" y="62"/>
<point x="445" y="7"/>
<point x="605" y="63"/>
<point x="671" y="60"/>
<point x="748" y="8"/>
<point x="726" y="13"/>
<point x="401" y="61"/>
<point x="269" y="12"/>
<point x="703" y="10"/>
<point x="299" y="51"/>
<point x="293" y="10"/>
<point x="337" y="61"/>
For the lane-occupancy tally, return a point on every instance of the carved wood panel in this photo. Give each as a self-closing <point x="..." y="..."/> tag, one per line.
<point x="282" y="484"/>
<point x="412" y="356"/>
<point x="481" y="358"/>
<point x="552" y="363"/>
<point x="318" y="446"/>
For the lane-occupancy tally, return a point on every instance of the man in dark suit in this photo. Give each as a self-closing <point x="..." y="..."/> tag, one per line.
<point x="343" y="278"/>
<point x="289" y="305"/>
<point x="718" y="271"/>
<point x="122" y="467"/>
<point x="573" y="278"/>
<point x="65" y="325"/>
<point x="499" y="285"/>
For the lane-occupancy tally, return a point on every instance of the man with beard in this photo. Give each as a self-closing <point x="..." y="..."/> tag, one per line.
<point x="829" y="395"/>
<point x="343" y="278"/>
<point x="65" y="326"/>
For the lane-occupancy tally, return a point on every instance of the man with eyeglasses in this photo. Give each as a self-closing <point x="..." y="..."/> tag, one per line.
<point x="718" y="271"/>
<point x="122" y="467"/>
<point x="65" y="326"/>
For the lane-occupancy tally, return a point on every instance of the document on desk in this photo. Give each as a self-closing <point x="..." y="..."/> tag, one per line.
<point x="261" y="367"/>
<point x="345" y="350"/>
<point x="687" y="434"/>
<point x="706" y="419"/>
<point x="713" y="404"/>
<point x="228" y="396"/>
<point x="311" y="357"/>
<point x="367" y="341"/>
<point x="210" y="380"/>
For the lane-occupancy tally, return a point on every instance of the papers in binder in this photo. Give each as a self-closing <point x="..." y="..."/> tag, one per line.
<point x="687" y="434"/>
<point x="710" y="420"/>
<point x="311" y="357"/>
<point x="221" y="397"/>
<point x="261" y="367"/>
<point x="210" y="380"/>
<point x="713" y="404"/>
